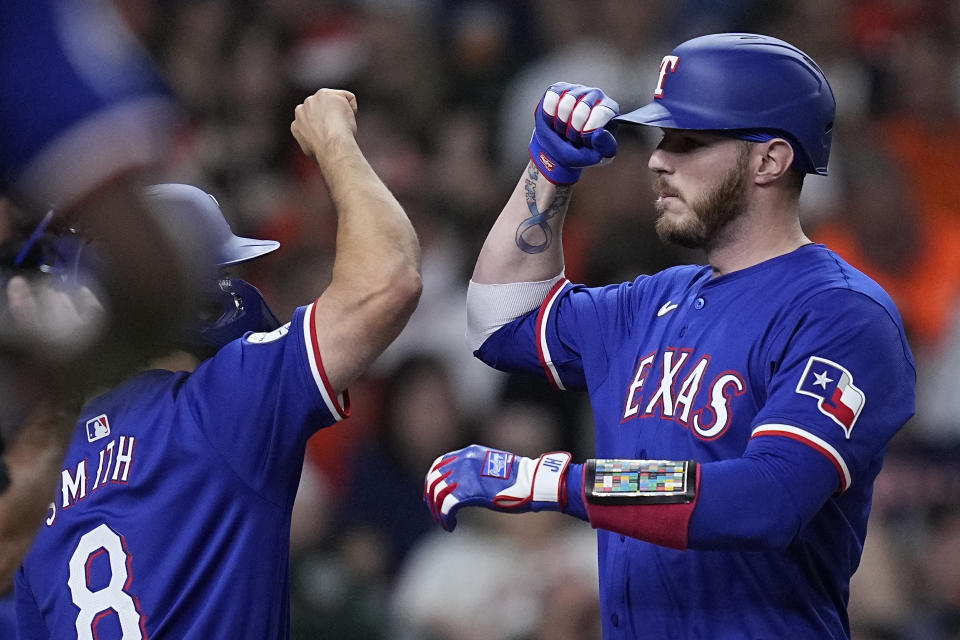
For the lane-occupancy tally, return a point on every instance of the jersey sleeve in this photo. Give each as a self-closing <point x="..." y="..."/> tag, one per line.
<point x="262" y="396"/>
<point x="81" y="102"/>
<point x="30" y="625"/>
<point x="567" y="339"/>
<point x="841" y="381"/>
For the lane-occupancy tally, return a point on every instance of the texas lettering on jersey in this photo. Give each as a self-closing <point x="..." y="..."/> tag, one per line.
<point x="659" y="389"/>
<point x="113" y="464"/>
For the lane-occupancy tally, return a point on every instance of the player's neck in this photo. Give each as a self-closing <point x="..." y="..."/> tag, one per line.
<point x="754" y="239"/>
<point x="178" y="360"/>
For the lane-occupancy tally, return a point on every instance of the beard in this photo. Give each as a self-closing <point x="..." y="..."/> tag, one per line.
<point x="712" y="212"/>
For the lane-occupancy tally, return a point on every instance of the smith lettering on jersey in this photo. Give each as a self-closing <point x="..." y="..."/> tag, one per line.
<point x="113" y="463"/>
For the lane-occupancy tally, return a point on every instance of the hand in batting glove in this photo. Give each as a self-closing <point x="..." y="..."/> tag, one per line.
<point x="569" y="133"/>
<point x="498" y="480"/>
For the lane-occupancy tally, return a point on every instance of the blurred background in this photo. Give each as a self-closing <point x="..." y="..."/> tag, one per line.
<point x="446" y="90"/>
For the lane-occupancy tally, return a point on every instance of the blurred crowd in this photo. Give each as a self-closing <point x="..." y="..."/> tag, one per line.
<point x="446" y="90"/>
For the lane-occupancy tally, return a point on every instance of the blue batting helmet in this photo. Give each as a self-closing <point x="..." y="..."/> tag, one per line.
<point x="229" y="306"/>
<point x="749" y="86"/>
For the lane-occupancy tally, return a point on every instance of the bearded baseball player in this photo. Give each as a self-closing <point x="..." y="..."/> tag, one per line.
<point x="742" y="408"/>
<point x="172" y="514"/>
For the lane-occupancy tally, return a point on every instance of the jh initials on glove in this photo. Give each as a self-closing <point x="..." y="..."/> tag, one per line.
<point x="494" y="479"/>
<point x="569" y="131"/>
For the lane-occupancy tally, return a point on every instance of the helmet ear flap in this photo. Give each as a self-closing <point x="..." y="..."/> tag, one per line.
<point x="232" y="309"/>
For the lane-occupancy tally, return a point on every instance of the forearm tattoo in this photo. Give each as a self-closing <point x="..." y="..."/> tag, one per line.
<point x="529" y="239"/>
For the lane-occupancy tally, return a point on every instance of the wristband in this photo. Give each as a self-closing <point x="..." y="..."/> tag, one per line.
<point x="540" y="482"/>
<point x="640" y="481"/>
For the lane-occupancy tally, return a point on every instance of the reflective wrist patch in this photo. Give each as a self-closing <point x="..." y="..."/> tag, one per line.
<point x="640" y="481"/>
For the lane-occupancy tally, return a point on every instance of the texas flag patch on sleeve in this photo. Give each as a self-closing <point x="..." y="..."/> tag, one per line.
<point x="832" y="386"/>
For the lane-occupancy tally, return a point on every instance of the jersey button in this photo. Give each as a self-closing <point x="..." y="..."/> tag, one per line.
<point x="699" y="303"/>
<point x="615" y="620"/>
<point x="623" y="538"/>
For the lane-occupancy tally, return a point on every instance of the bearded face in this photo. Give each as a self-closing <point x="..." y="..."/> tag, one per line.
<point x="708" y="213"/>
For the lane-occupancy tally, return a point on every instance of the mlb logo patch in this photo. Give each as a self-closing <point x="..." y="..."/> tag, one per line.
<point x="497" y="464"/>
<point x="832" y="385"/>
<point x="97" y="428"/>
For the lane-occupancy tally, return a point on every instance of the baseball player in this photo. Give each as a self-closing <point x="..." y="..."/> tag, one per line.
<point x="172" y="514"/>
<point x="742" y="408"/>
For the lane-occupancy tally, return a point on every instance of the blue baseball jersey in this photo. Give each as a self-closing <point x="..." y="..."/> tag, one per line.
<point x="172" y="514"/>
<point x="80" y="101"/>
<point x="798" y="363"/>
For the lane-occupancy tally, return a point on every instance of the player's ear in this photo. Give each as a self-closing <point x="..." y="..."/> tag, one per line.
<point x="776" y="157"/>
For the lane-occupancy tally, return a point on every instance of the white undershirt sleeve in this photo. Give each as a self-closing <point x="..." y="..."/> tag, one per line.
<point x="491" y="306"/>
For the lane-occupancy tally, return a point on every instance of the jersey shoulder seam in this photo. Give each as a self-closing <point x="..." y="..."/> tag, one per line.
<point x="876" y="303"/>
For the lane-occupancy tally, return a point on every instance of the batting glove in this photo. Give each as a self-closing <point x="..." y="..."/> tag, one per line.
<point x="498" y="480"/>
<point x="569" y="131"/>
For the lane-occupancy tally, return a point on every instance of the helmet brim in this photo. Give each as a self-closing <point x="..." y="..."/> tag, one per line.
<point x="238" y="249"/>
<point x="653" y="115"/>
<point x="184" y="206"/>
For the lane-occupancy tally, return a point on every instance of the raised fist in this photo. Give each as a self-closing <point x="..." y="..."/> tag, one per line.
<point x="569" y="131"/>
<point x="323" y="121"/>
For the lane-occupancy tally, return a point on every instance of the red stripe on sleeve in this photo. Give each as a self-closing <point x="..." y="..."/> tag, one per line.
<point x="816" y="447"/>
<point x="343" y="411"/>
<point x="552" y="375"/>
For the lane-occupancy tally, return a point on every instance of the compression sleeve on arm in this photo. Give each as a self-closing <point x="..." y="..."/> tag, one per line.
<point x="491" y="306"/>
